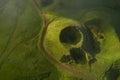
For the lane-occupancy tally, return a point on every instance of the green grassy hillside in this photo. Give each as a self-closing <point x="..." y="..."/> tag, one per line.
<point x="83" y="35"/>
<point x="20" y="59"/>
<point x="102" y="21"/>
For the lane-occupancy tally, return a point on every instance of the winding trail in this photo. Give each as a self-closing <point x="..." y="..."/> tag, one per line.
<point x="47" y="54"/>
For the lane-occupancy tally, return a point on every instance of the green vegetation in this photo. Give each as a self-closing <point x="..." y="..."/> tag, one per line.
<point x="113" y="72"/>
<point x="78" y="55"/>
<point x="100" y="38"/>
<point x="70" y="35"/>
<point x="20" y="58"/>
<point x="46" y="2"/>
<point x="82" y="34"/>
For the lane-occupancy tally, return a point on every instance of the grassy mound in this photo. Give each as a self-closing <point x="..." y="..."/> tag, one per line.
<point x="95" y="41"/>
<point x="21" y="22"/>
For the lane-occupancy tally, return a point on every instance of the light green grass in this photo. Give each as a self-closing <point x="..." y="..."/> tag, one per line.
<point x="21" y="20"/>
<point x="110" y="46"/>
<point x="52" y="41"/>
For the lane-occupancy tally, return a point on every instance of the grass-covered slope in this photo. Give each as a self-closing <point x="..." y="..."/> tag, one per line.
<point x="101" y="32"/>
<point x="95" y="49"/>
<point x="20" y="58"/>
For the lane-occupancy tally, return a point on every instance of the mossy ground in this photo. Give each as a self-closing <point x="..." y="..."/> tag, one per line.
<point x="21" y="25"/>
<point x="20" y="58"/>
<point x="81" y="12"/>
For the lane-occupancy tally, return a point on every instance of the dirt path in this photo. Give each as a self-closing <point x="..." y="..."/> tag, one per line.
<point x="47" y="54"/>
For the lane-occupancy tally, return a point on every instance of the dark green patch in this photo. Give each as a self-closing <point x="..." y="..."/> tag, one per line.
<point x="37" y="77"/>
<point x="95" y="21"/>
<point x="90" y="44"/>
<point x="66" y="58"/>
<point x="45" y="3"/>
<point x="70" y="35"/>
<point x="116" y="24"/>
<point x="113" y="72"/>
<point x="78" y="55"/>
